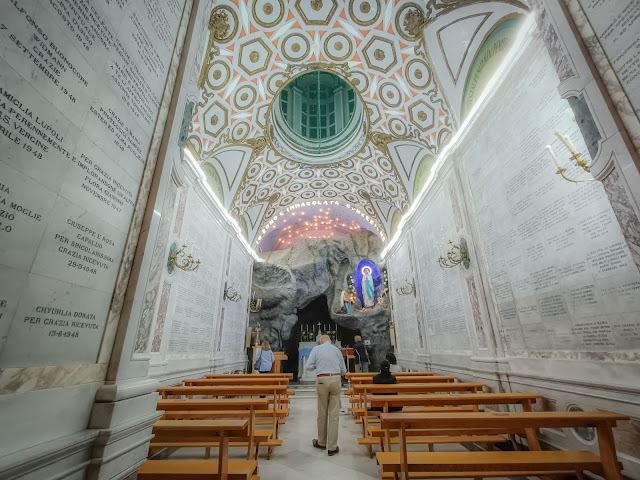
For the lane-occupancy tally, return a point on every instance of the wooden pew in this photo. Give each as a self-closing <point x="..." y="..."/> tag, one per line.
<point x="206" y="409"/>
<point x="200" y="433"/>
<point x="249" y="375"/>
<point x="364" y="389"/>
<point x="195" y="469"/>
<point x="497" y="463"/>
<point x="351" y="375"/>
<point x="275" y="392"/>
<point x="359" y="380"/>
<point x="253" y="380"/>
<point x="411" y="379"/>
<point x="442" y="403"/>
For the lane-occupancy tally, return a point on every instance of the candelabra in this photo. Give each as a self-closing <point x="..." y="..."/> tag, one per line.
<point x="458" y="254"/>
<point x="231" y="293"/>
<point x="185" y="262"/>
<point x="575" y="156"/>
<point x="255" y="305"/>
<point x="407" y="288"/>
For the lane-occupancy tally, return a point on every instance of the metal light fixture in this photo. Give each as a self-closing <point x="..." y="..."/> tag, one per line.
<point x="182" y="261"/>
<point x="255" y="304"/>
<point x="407" y="288"/>
<point x="575" y="156"/>
<point x="456" y="255"/>
<point x="231" y="293"/>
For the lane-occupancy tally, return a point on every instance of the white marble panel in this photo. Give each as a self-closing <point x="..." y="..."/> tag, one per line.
<point x="34" y="137"/>
<point x="236" y="314"/>
<point x="445" y="294"/>
<point x="561" y="272"/>
<point x="39" y="50"/>
<point x="65" y="321"/>
<point x="80" y="89"/>
<point x="616" y="23"/>
<point x="13" y="282"/>
<point x="80" y="248"/>
<point x="96" y="182"/>
<point x="116" y="132"/>
<point x="405" y="307"/>
<point x="25" y="207"/>
<point x="199" y="293"/>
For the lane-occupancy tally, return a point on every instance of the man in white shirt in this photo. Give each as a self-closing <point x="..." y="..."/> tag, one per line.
<point x="328" y="363"/>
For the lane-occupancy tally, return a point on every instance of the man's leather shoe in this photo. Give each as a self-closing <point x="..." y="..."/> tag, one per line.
<point x="331" y="453"/>
<point x="317" y="445"/>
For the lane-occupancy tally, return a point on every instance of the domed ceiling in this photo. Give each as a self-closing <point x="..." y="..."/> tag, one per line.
<point x="411" y="89"/>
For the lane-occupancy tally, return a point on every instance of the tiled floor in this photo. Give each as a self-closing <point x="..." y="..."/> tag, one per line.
<point x="298" y="460"/>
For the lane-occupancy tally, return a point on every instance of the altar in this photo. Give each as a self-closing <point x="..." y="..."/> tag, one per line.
<point x="304" y="350"/>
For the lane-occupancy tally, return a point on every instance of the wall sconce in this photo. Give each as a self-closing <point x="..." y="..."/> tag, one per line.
<point x="231" y="293"/>
<point x="575" y="156"/>
<point x="255" y="305"/>
<point x="407" y="288"/>
<point x="185" y="262"/>
<point x="456" y="255"/>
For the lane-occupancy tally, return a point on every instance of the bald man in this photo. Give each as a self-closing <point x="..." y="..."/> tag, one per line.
<point x="327" y="361"/>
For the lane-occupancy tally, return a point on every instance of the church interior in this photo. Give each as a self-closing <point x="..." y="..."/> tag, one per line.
<point x="447" y="191"/>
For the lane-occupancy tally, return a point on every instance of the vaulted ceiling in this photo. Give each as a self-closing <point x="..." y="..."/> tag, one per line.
<point x="383" y="50"/>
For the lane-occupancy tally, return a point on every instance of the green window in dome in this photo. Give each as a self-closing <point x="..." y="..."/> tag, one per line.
<point x="308" y="108"/>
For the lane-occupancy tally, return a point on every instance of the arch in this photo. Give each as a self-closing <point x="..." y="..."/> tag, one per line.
<point x="487" y="60"/>
<point x="213" y="179"/>
<point x="422" y="173"/>
<point x="242" y="223"/>
<point x="395" y="223"/>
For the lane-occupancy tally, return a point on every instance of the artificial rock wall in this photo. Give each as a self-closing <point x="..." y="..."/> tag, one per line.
<point x="550" y="300"/>
<point x="290" y="279"/>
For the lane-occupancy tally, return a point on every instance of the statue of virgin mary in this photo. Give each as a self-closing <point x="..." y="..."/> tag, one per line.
<point x="368" y="293"/>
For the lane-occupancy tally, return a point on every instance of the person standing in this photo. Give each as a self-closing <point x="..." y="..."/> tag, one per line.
<point x="265" y="359"/>
<point x="361" y="354"/>
<point x="328" y="363"/>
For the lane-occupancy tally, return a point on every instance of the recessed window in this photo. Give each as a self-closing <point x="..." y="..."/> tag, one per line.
<point x="318" y="112"/>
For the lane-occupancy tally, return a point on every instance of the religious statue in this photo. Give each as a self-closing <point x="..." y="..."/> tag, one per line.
<point x="368" y="293"/>
<point x="345" y="300"/>
<point x="257" y="339"/>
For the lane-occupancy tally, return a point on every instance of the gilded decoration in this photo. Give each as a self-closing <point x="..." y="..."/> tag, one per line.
<point x="376" y="47"/>
<point x="223" y="26"/>
<point x="365" y="12"/>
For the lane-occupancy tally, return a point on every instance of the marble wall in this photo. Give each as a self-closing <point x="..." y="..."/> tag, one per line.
<point x="561" y="273"/>
<point x="616" y="25"/>
<point x="189" y="320"/>
<point x="550" y="302"/>
<point x="81" y="89"/>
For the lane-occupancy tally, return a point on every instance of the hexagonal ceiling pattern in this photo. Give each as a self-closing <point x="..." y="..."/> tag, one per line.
<point x="255" y="46"/>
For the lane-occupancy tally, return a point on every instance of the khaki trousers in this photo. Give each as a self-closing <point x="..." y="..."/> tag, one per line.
<point x="328" y="392"/>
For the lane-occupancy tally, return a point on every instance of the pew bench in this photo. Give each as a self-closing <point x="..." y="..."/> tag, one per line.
<point x="235" y="381"/>
<point x="249" y="375"/>
<point x="413" y="379"/>
<point x="351" y="375"/>
<point x="412" y="465"/>
<point x="196" y="469"/>
<point x="217" y="433"/>
<point x="366" y="392"/>
<point x="255" y="409"/>
<point x="438" y="403"/>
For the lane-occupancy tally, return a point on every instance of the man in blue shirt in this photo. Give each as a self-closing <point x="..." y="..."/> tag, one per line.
<point x="327" y="361"/>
